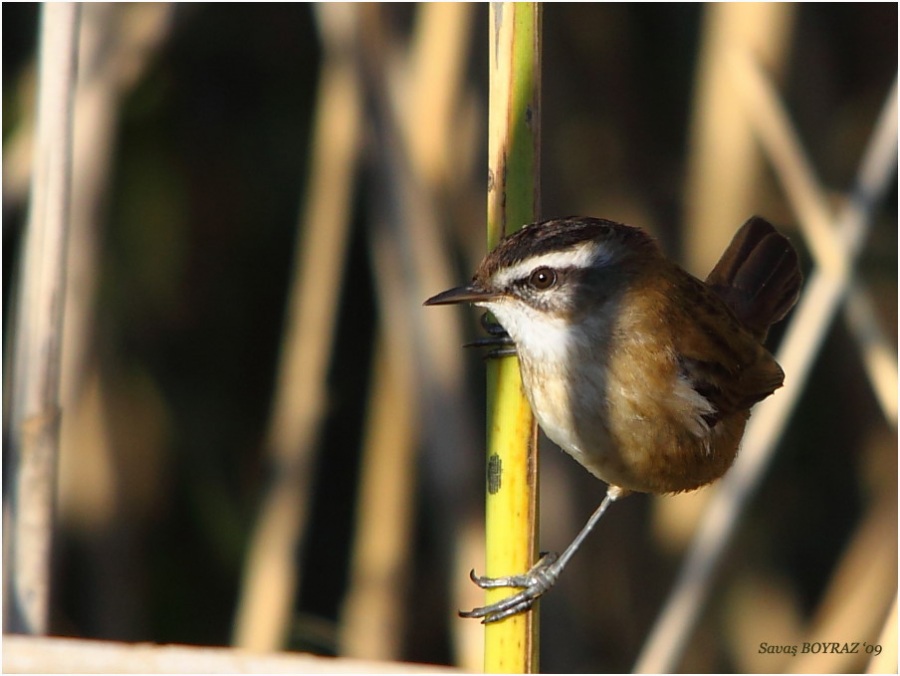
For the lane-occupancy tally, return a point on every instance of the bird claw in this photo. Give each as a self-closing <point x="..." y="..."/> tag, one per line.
<point x="499" y="340"/>
<point x="534" y="584"/>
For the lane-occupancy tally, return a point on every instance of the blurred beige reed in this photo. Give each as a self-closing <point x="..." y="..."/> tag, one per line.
<point x="834" y="241"/>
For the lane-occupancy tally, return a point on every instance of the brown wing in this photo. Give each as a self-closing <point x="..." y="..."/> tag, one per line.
<point x="720" y="359"/>
<point x="730" y="392"/>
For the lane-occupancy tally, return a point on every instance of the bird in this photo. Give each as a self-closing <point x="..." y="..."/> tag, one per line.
<point x="641" y="372"/>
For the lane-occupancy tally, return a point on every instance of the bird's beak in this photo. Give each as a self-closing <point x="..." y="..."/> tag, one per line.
<point x="463" y="294"/>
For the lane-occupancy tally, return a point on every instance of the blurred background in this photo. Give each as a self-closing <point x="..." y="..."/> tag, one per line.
<point x="268" y="442"/>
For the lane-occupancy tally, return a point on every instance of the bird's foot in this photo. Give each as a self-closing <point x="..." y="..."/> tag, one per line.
<point x="534" y="584"/>
<point x="499" y="341"/>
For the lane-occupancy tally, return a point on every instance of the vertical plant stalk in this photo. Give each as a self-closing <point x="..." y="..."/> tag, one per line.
<point x="513" y="196"/>
<point x="35" y="411"/>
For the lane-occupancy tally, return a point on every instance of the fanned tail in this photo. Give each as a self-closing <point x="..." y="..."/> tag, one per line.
<point x="758" y="276"/>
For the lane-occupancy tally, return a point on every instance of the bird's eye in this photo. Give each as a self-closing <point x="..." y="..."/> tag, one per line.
<point x="542" y="278"/>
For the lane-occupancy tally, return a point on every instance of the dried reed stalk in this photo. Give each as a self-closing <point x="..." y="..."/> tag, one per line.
<point x="718" y="200"/>
<point x="34" y="390"/>
<point x="23" y="654"/>
<point x="271" y="575"/>
<point x="428" y="76"/>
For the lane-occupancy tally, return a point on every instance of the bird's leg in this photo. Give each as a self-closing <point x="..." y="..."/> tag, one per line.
<point x="500" y="342"/>
<point x="542" y="576"/>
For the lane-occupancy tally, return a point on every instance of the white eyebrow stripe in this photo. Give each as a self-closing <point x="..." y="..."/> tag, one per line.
<point x="581" y="256"/>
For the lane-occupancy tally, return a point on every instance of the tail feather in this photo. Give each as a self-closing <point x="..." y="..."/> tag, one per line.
<point x="758" y="276"/>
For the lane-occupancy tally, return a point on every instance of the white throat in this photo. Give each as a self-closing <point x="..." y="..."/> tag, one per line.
<point x="538" y="335"/>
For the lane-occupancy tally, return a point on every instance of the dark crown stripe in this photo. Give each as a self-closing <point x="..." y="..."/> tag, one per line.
<point x="557" y="235"/>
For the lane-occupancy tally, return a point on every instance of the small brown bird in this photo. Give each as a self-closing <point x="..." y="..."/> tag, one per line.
<point x="641" y="372"/>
